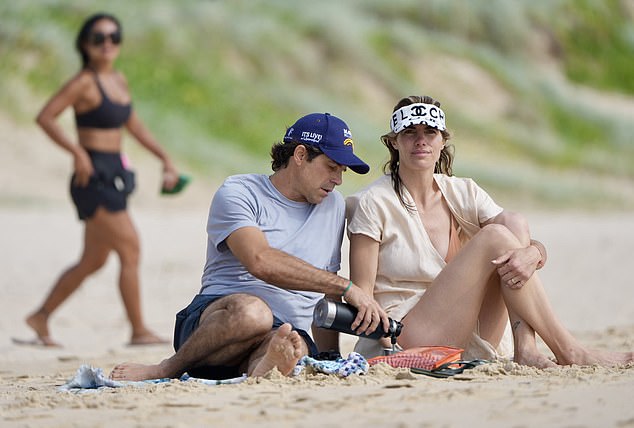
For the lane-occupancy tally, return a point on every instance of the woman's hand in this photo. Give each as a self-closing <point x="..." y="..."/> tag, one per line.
<point x="170" y="177"/>
<point x="515" y="267"/>
<point x="83" y="167"/>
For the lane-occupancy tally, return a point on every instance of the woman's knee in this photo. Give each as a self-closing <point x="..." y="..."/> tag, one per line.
<point x="129" y="254"/>
<point x="117" y="230"/>
<point x="91" y="263"/>
<point x="128" y="247"/>
<point x="497" y="237"/>
<point x="517" y="220"/>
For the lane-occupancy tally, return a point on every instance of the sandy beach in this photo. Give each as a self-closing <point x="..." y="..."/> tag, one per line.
<point x="587" y="278"/>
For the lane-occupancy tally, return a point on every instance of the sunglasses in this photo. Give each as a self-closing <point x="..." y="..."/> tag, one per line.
<point x="98" y="38"/>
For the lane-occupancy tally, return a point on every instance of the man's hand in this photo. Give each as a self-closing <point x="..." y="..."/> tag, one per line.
<point x="370" y="314"/>
<point x="515" y="267"/>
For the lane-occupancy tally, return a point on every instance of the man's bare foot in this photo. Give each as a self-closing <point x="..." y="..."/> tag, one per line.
<point x="146" y="338"/>
<point x="535" y="360"/>
<point x="135" y="371"/>
<point x="283" y="351"/>
<point x="38" y="321"/>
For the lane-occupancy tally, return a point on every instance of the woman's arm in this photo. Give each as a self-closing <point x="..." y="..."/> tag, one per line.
<point x="518" y="263"/>
<point x="68" y="95"/>
<point x="364" y="261"/>
<point x="142" y="134"/>
<point x="517" y="224"/>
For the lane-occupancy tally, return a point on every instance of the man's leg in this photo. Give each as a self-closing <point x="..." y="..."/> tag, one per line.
<point x="228" y="331"/>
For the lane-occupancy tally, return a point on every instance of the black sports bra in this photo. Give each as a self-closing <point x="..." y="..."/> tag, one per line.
<point x="107" y="115"/>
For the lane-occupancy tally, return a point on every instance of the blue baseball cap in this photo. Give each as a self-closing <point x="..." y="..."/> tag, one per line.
<point x="329" y="134"/>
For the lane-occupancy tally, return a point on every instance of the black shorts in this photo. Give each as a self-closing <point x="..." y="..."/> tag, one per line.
<point x="187" y="322"/>
<point x="109" y="186"/>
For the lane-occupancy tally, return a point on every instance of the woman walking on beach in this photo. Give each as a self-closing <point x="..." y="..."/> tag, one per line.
<point x="101" y="182"/>
<point x="441" y="256"/>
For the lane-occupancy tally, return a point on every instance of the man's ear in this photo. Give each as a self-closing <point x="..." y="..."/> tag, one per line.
<point x="300" y="154"/>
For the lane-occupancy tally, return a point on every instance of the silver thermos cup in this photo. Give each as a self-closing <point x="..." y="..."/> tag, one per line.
<point x="339" y="316"/>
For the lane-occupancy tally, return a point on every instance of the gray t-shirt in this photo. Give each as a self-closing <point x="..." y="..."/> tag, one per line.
<point x="307" y="231"/>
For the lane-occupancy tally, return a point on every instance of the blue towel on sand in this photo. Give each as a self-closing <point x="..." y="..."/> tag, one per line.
<point x="88" y="378"/>
<point x="91" y="379"/>
<point x="354" y="364"/>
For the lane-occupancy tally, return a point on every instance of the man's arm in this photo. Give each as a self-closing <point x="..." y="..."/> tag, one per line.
<point x="250" y="246"/>
<point x="271" y="265"/>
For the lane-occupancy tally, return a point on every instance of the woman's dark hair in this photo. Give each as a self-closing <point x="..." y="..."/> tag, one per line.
<point x="282" y="152"/>
<point x="85" y="31"/>
<point x="443" y="166"/>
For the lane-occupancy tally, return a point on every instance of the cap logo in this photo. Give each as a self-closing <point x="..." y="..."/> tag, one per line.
<point x="311" y="137"/>
<point x="416" y="114"/>
<point x="331" y="135"/>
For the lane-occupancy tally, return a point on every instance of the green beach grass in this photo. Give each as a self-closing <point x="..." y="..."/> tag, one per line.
<point x="527" y="85"/>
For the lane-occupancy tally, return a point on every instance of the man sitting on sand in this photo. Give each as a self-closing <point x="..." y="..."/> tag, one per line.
<point x="274" y="245"/>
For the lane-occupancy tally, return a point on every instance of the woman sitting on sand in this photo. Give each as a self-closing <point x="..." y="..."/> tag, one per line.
<point x="101" y="183"/>
<point x="440" y="255"/>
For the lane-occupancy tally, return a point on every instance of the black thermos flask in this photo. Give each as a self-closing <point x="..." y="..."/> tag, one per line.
<point x="339" y="316"/>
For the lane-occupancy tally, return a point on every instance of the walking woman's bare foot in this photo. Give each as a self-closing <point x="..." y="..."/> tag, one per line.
<point x="38" y="321"/>
<point x="135" y="371"/>
<point x="283" y="352"/>
<point x="146" y="338"/>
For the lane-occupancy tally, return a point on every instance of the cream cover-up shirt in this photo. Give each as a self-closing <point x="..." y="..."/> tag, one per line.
<point x="408" y="261"/>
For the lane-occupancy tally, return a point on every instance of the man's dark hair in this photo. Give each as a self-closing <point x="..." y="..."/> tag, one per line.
<point x="282" y="152"/>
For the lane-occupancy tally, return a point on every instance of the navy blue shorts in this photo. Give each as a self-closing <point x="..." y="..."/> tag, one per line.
<point x="187" y="322"/>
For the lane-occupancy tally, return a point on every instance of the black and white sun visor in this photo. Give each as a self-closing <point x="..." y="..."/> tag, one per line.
<point x="416" y="114"/>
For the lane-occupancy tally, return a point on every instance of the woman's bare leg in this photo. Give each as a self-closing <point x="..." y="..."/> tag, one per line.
<point x="531" y="305"/>
<point x="94" y="255"/>
<point x="493" y="315"/>
<point x="450" y="308"/>
<point x="448" y="311"/>
<point x="123" y="238"/>
<point x="492" y="322"/>
<point x="525" y="344"/>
